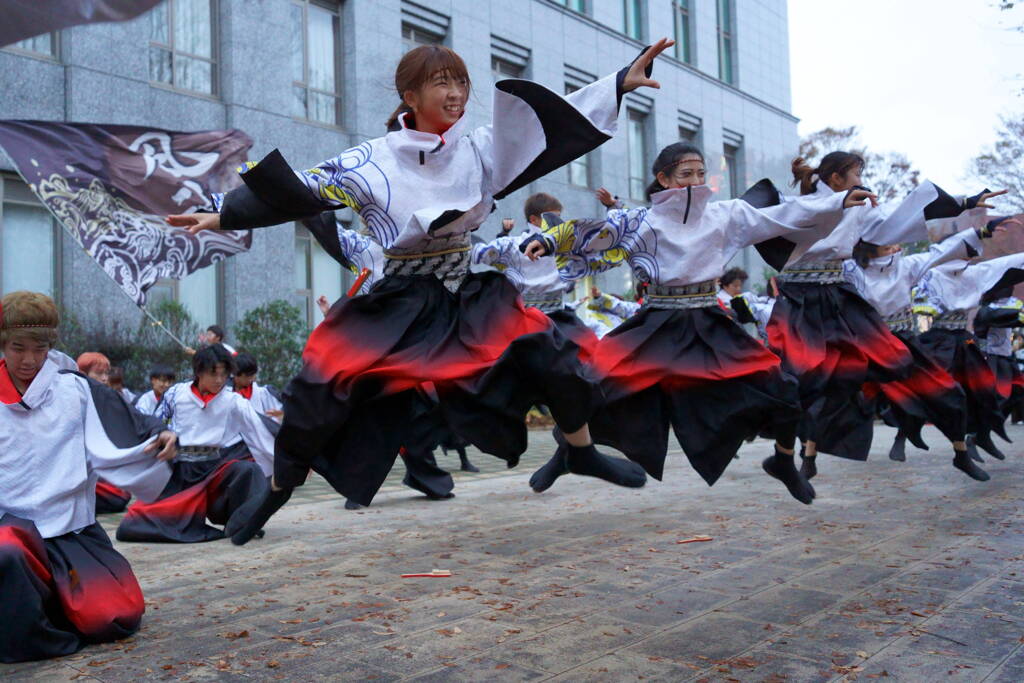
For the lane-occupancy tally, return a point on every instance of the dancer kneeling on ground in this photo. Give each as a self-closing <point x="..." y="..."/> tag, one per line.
<point x="62" y="584"/>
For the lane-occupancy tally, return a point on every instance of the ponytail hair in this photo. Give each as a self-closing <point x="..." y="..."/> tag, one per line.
<point x="418" y="66"/>
<point x="833" y="162"/>
<point x="668" y="159"/>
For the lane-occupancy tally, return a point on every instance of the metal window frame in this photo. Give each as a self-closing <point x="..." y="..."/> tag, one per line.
<point x="684" y="51"/>
<point x="53" y="56"/>
<point x="645" y="141"/>
<point x="641" y="19"/>
<point x="213" y="60"/>
<point x="219" y="290"/>
<point x="726" y="42"/>
<point x="571" y="79"/>
<point x="57" y="232"/>
<point x="339" y="37"/>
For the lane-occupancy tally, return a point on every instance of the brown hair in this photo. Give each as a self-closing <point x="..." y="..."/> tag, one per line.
<point x="536" y="204"/>
<point x="733" y="274"/>
<point x="30" y="316"/>
<point x="418" y="66"/>
<point x="92" y="360"/>
<point x="833" y="162"/>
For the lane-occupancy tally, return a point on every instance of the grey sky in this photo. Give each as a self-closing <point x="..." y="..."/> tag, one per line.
<point x="928" y="78"/>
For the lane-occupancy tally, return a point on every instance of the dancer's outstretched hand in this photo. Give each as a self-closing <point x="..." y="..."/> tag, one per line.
<point x="195" y="222"/>
<point x="636" y="77"/>
<point x="167" y="442"/>
<point x="605" y="197"/>
<point x="860" y="198"/>
<point x="983" y="200"/>
<point x="534" y="251"/>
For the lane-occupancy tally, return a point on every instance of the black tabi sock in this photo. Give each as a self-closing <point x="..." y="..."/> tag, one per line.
<point x="808" y="466"/>
<point x="962" y="461"/>
<point x="972" y="449"/>
<point x="545" y="477"/>
<point x="260" y="516"/>
<point x="782" y="467"/>
<point x="898" y="452"/>
<point x="588" y="461"/>
<point x="352" y="505"/>
<point x="464" y="464"/>
<point x="985" y="443"/>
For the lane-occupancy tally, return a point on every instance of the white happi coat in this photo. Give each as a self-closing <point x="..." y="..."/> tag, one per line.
<point x="54" y="448"/>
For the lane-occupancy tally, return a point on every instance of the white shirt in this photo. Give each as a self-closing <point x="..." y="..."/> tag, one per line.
<point x="217" y="423"/>
<point x="53" y="448"/>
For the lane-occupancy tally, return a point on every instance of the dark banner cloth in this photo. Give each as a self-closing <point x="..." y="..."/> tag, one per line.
<point x="110" y="187"/>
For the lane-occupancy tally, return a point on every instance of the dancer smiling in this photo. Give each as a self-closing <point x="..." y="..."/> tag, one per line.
<point x="430" y="339"/>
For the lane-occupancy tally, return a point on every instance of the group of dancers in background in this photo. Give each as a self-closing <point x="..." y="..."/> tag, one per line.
<point x="432" y="350"/>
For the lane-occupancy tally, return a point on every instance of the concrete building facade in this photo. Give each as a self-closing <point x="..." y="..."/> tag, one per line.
<point x="313" y="77"/>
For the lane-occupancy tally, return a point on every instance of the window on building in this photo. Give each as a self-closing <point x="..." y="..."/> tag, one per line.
<point x="316" y="274"/>
<point x="501" y="69"/>
<point x="45" y="45"/>
<point x="730" y="171"/>
<point x="637" y="152"/>
<point x="579" y="169"/>
<point x="634" y="19"/>
<point x="688" y="135"/>
<point x="315" y="61"/>
<point x="683" y="30"/>
<point x="414" y="37"/>
<point x="29" y="241"/>
<point x="200" y="292"/>
<point x="726" y="31"/>
<point x="182" y="45"/>
<point x="575" y="5"/>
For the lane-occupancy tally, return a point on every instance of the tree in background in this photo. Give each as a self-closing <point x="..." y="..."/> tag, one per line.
<point x="274" y="333"/>
<point x="1002" y="165"/>
<point x="890" y="175"/>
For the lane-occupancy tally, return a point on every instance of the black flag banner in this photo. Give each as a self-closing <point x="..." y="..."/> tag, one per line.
<point x="26" y="18"/>
<point x="110" y="186"/>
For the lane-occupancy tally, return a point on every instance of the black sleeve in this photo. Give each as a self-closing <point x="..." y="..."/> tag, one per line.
<point x="272" y="195"/>
<point x="742" y="310"/>
<point x="125" y="426"/>
<point x="946" y="205"/>
<point x="988" y="317"/>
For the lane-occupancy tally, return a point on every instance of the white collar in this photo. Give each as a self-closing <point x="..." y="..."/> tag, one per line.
<point x="682" y="204"/>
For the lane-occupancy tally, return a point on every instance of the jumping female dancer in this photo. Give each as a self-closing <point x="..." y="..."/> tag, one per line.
<point x="828" y="337"/>
<point x="948" y="293"/>
<point x="682" y="361"/>
<point x="431" y="338"/>
<point x="884" y="277"/>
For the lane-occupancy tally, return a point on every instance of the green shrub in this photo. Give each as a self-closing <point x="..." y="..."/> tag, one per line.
<point x="275" y="334"/>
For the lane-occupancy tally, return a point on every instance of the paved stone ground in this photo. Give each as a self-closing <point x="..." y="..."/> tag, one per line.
<point x="897" y="572"/>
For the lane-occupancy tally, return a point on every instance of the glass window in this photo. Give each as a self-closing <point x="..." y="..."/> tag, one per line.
<point x="633" y="27"/>
<point x="199" y="292"/>
<point x="45" y="44"/>
<point x="501" y="69"/>
<point x="181" y="45"/>
<point x="725" y="41"/>
<point x="637" y="143"/>
<point x="414" y="37"/>
<point x="575" y="5"/>
<point x="314" y="57"/>
<point x="316" y="274"/>
<point x="730" y="171"/>
<point x="579" y="169"/>
<point x="689" y="135"/>
<point x="29" y="244"/>
<point x="683" y="34"/>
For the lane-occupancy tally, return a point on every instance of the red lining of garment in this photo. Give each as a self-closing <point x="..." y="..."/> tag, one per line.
<point x="9" y="394"/>
<point x="203" y="396"/>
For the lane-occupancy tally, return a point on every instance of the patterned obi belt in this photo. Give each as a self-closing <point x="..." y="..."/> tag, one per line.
<point x="198" y="453"/>
<point x="954" y="320"/>
<point x="902" y="321"/>
<point x="696" y="295"/>
<point x="547" y="304"/>
<point x="447" y="260"/>
<point x="818" y="272"/>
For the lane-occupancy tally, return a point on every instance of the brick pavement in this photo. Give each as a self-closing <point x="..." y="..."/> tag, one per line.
<point x="897" y="572"/>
